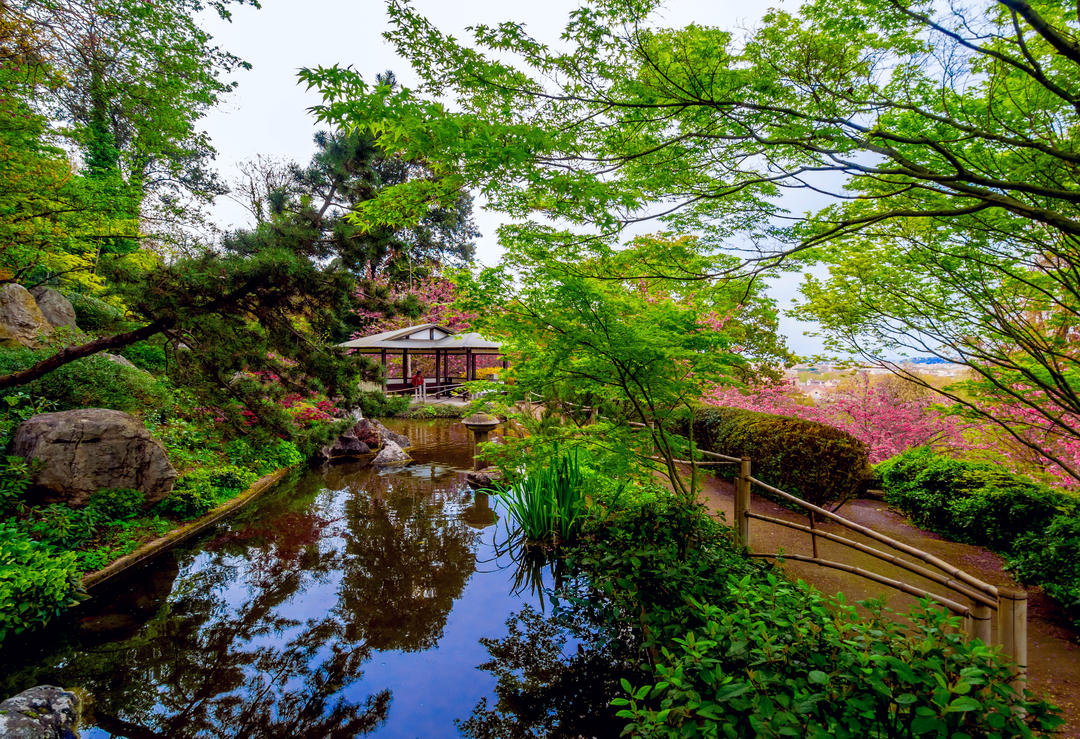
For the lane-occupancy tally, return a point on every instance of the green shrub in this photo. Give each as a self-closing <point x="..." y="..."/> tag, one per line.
<point x="376" y="404"/>
<point x="969" y="501"/>
<point x="91" y="382"/>
<point x="1035" y="527"/>
<point x="14" y="480"/>
<point x="197" y="492"/>
<point x="92" y="314"/>
<point x="811" y="460"/>
<point x="146" y="355"/>
<point x="62" y="526"/>
<point x="119" y="504"/>
<point x="1052" y="559"/>
<point x="263" y="457"/>
<point x="35" y="584"/>
<point x="424" y="411"/>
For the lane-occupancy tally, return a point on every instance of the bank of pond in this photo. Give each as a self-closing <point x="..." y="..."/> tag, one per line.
<point x="351" y="601"/>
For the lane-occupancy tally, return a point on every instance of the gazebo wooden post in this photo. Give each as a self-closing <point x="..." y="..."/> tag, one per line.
<point x="405" y="374"/>
<point x="438" y="355"/>
<point x="385" y="369"/>
<point x="470" y="365"/>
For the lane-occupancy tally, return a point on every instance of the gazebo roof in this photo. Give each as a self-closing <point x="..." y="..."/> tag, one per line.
<point x="425" y="338"/>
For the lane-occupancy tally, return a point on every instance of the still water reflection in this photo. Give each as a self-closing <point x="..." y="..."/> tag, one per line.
<point x="344" y="602"/>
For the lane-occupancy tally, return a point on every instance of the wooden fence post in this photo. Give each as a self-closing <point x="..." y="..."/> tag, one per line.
<point x="979" y="621"/>
<point x="742" y="503"/>
<point x="1012" y="629"/>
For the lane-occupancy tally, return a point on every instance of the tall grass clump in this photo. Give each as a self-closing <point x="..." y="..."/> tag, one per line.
<point x="548" y="503"/>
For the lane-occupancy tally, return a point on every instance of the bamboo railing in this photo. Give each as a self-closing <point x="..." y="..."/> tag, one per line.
<point x="981" y="604"/>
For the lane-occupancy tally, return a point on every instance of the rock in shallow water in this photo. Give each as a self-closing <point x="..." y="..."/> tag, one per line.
<point x="42" y="712"/>
<point x="386" y="434"/>
<point x="391" y="455"/>
<point x="90" y="449"/>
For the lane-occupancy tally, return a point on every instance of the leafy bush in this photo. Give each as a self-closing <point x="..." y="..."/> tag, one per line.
<point x="376" y="404"/>
<point x="91" y="382"/>
<point x="969" y="501"/>
<point x="433" y="410"/>
<point x="1034" y="526"/>
<point x="1052" y="559"/>
<point x="118" y="504"/>
<point x="92" y="314"/>
<point x="35" y="584"/>
<point x="62" y="526"/>
<point x="263" y="457"/>
<point x="197" y="492"/>
<point x="811" y="460"/>
<point x="739" y="651"/>
<point x="146" y="355"/>
<point x="14" y="480"/>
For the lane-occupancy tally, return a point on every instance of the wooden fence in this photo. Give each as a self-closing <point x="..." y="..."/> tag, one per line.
<point x="981" y="605"/>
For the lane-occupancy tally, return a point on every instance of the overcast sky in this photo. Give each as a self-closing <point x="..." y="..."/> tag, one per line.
<point x="267" y="114"/>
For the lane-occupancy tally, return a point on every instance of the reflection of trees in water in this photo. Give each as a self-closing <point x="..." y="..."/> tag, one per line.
<point x="409" y="556"/>
<point x="542" y="690"/>
<point x="245" y="647"/>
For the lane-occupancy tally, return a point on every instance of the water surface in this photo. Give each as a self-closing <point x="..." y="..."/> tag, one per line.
<point x="346" y="601"/>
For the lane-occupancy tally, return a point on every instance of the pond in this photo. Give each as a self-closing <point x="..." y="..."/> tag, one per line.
<point x="344" y="602"/>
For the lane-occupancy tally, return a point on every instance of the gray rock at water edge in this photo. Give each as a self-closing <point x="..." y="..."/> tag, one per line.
<point x="41" y="712"/>
<point x="386" y="434"/>
<point x="21" y="321"/>
<point x="391" y="455"/>
<point x="346" y="446"/>
<point x="90" y="449"/>
<point x="54" y="306"/>
<point x="483" y="479"/>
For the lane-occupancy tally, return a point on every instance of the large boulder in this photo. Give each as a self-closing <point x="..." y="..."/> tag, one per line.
<point x="54" y="306"/>
<point x="346" y="446"/>
<point x="391" y="455"/>
<point x="41" y="712"/>
<point x="386" y="434"/>
<point x="90" y="449"/>
<point x="21" y="321"/>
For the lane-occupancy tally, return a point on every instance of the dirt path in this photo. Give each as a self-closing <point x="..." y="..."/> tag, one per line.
<point x="1053" y="654"/>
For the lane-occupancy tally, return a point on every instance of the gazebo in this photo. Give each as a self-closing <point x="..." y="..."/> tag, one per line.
<point x="429" y="339"/>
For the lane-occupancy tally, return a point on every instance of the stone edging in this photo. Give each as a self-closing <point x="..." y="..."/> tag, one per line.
<point x="149" y="549"/>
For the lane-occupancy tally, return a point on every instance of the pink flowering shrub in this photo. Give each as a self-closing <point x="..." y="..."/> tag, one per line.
<point x="874" y="413"/>
<point x="890" y="422"/>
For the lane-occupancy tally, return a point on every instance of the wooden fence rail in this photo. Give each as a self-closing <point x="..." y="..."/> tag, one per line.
<point x="980" y="603"/>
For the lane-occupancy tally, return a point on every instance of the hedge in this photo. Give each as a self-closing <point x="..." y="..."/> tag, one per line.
<point x="814" y="461"/>
<point x="1035" y="527"/>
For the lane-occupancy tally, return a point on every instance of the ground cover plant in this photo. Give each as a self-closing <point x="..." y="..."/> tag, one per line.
<point x="1035" y="527"/>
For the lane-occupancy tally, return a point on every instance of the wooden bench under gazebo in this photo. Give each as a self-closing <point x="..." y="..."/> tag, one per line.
<point x="426" y="340"/>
